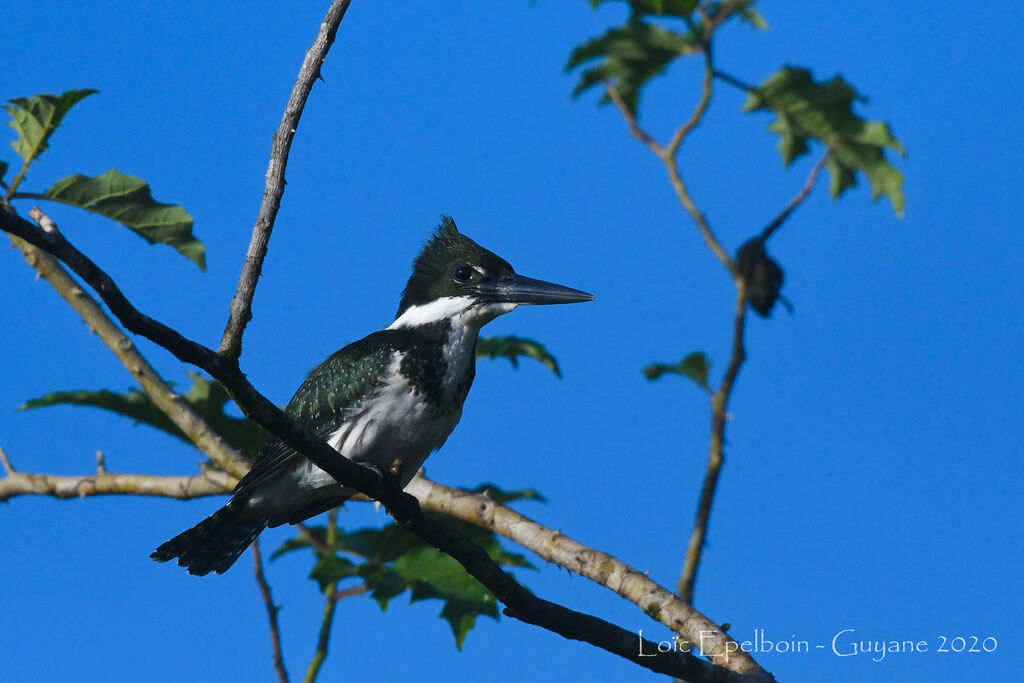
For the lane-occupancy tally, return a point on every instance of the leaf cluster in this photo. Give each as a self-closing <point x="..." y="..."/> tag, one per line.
<point x="390" y="561"/>
<point x="123" y="198"/>
<point x="823" y="110"/>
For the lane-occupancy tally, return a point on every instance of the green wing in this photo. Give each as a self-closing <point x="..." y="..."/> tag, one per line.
<point x="330" y="395"/>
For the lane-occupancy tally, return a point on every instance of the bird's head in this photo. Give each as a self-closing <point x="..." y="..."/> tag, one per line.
<point x="455" y="276"/>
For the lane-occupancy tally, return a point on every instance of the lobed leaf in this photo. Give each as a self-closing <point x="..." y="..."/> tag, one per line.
<point x="36" y="118"/>
<point x="512" y="347"/>
<point x="392" y="561"/>
<point x="695" y="366"/>
<point x="823" y="111"/>
<point x="206" y="397"/>
<point x="630" y="57"/>
<point x="129" y="201"/>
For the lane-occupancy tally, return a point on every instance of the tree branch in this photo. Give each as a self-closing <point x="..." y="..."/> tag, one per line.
<point x="634" y="128"/>
<point x="241" y="304"/>
<point x="330" y="605"/>
<point x="207" y="483"/>
<point x="164" y="398"/>
<point x="520" y="603"/>
<point x="602" y="568"/>
<point x="716" y="454"/>
<point x="272" y="610"/>
<point x="668" y="157"/>
<point x="812" y="178"/>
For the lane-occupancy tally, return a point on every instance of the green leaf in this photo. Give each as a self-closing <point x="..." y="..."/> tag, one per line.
<point x="129" y="201"/>
<point x="331" y="568"/>
<point x="630" y="57"/>
<point x="36" y="118"/>
<point x="512" y="347"/>
<point x="206" y="397"/>
<point x="823" y="111"/>
<point x="3" y="170"/>
<point x="499" y="495"/>
<point x="434" y="575"/>
<point x="695" y="366"/>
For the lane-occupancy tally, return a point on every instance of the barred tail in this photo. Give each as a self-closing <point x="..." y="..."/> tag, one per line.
<point x="215" y="543"/>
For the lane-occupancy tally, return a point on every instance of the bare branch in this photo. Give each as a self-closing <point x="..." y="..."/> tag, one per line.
<point x="698" y="113"/>
<point x="350" y="592"/>
<point x="241" y="305"/>
<point x="179" y="412"/>
<point x="634" y="128"/>
<point x="272" y="610"/>
<point x="602" y="568"/>
<point x="207" y="483"/>
<point x="682" y="191"/>
<point x="812" y="178"/>
<point x="327" y="621"/>
<point x="716" y="454"/>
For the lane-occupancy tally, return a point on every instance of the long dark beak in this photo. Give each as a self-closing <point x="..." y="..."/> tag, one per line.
<point x="516" y="289"/>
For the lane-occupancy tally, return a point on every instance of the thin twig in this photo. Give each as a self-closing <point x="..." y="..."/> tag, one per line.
<point x="330" y="606"/>
<point x="733" y="81"/>
<point x="317" y="546"/>
<point x="97" y="320"/>
<point x="241" y="304"/>
<point x="272" y="610"/>
<point x="634" y="128"/>
<point x="812" y="178"/>
<point x="680" y="187"/>
<point x="698" y="113"/>
<point x="350" y="592"/>
<point x="8" y="467"/>
<point x="716" y="452"/>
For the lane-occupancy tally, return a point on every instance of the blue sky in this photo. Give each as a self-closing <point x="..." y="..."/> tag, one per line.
<point x="873" y="473"/>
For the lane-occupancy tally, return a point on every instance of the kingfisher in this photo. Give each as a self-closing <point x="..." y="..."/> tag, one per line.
<point x="386" y="401"/>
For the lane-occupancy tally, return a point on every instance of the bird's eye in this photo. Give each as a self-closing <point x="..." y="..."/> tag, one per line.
<point x="465" y="274"/>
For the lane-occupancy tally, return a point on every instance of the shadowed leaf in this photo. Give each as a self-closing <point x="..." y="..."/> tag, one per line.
<point x="630" y="57"/>
<point x="823" y="111"/>
<point x="512" y="347"/>
<point x="129" y="201"/>
<point x="3" y="171"/>
<point x="36" y="118"/>
<point x="392" y="561"/>
<point x="206" y="397"/>
<point x="695" y="366"/>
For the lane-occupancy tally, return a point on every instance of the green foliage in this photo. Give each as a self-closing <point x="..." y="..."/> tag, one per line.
<point x="129" y="201"/>
<point x="823" y="111"/>
<point x="695" y="366"/>
<point x="36" y="118"/>
<point x="512" y="347"/>
<point x="391" y="561"/>
<point x="633" y="54"/>
<point x="630" y="57"/>
<point x="206" y="397"/>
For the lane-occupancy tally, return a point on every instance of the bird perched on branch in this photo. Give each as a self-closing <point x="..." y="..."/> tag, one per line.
<point x="386" y="401"/>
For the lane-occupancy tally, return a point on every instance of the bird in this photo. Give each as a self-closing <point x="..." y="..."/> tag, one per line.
<point x="386" y="401"/>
